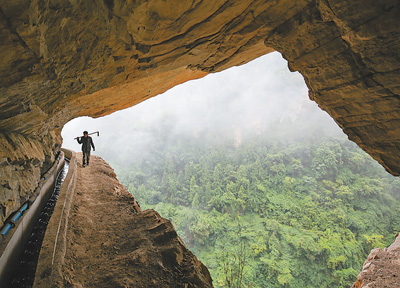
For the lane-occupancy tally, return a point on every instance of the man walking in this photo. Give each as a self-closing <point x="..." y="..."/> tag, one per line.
<point x="87" y="143"/>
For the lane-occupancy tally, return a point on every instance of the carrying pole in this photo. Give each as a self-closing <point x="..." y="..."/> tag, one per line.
<point x="97" y="132"/>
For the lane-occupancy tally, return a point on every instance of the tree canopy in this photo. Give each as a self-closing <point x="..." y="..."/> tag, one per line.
<point x="274" y="210"/>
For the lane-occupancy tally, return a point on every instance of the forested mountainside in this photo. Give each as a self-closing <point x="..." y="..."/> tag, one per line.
<point x="292" y="208"/>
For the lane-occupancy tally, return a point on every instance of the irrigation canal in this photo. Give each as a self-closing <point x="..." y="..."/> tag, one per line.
<point x="24" y="274"/>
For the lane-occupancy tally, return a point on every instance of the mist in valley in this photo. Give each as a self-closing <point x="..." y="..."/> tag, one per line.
<point x="260" y="98"/>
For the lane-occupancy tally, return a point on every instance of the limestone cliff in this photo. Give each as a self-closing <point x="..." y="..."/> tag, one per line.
<point x="64" y="58"/>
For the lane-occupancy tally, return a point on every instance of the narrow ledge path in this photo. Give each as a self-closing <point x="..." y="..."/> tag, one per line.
<point x="111" y="242"/>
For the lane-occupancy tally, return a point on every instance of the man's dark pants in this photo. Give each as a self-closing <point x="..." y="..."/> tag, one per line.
<point x="85" y="158"/>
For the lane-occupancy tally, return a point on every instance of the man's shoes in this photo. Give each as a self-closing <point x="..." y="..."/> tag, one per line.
<point x="84" y="165"/>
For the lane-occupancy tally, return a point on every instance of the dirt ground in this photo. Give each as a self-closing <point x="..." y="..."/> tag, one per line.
<point x="112" y="243"/>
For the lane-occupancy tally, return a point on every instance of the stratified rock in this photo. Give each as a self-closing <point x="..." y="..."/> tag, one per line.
<point x="63" y="59"/>
<point x="22" y="160"/>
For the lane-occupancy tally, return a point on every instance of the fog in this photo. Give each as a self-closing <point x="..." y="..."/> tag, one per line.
<point x="245" y="100"/>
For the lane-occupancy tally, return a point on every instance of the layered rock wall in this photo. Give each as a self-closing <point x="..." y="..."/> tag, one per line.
<point x="64" y="58"/>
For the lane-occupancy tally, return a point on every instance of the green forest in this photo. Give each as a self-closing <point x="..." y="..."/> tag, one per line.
<point x="280" y="209"/>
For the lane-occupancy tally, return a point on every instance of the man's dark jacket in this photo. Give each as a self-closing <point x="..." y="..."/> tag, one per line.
<point x="86" y="143"/>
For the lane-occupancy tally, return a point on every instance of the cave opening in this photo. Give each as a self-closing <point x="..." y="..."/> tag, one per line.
<point x="254" y="176"/>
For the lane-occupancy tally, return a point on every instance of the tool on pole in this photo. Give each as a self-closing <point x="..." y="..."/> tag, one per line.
<point x="97" y="132"/>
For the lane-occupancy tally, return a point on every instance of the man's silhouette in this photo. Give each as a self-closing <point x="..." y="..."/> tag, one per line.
<point x="87" y="143"/>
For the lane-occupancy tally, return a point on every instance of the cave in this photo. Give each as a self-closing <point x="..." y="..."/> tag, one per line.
<point x="64" y="59"/>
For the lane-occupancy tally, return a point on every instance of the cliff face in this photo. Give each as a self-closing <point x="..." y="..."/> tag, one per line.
<point x="63" y="59"/>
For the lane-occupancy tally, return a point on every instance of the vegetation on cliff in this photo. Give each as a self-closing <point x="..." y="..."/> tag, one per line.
<point x="273" y="211"/>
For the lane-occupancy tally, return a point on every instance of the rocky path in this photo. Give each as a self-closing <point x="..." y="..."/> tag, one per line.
<point x="113" y="243"/>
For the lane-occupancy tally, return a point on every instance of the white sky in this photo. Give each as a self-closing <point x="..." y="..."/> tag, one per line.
<point x="261" y="91"/>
